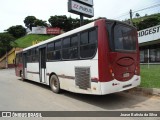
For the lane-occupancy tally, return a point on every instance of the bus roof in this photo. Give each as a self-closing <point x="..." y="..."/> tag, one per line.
<point x="62" y="35"/>
<point x="87" y="26"/>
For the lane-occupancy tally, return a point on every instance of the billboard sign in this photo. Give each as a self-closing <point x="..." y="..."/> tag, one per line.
<point x="46" y="30"/>
<point x="38" y="30"/>
<point x="88" y="2"/>
<point x="80" y="9"/>
<point x="149" y="34"/>
<point x="53" y="31"/>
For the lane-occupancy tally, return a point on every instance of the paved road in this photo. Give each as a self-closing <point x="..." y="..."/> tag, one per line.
<point x="16" y="95"/>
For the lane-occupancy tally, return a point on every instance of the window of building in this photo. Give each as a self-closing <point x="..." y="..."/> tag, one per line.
<point x="142" y="56"/>
<point x="152" y="54"/>
<point x="146" y="57"/>
<point x="158" y="54"/>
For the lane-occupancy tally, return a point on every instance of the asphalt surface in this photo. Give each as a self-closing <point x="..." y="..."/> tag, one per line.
<point x="16" y="95"/>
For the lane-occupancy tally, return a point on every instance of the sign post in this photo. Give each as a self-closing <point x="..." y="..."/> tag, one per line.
<point x="82" y="8"/>
<point x="81" y="20"/>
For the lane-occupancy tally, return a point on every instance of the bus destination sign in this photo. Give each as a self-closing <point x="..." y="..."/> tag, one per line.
<point x="80" y="9"/>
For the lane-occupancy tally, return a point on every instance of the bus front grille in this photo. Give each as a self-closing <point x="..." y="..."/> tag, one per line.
<point x="82" y="77"/>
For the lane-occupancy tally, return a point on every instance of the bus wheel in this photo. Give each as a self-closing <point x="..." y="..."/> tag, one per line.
<point x="55" y="84"/>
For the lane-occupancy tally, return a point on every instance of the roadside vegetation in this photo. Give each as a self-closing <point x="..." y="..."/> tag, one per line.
<point x="146" y="21"/>
<point x="150" y="76"/>
<point x="27" y="40"/>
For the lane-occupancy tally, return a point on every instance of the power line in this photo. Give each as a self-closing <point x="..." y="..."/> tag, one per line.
<point x="124" y="14"/>
<point x="147" y="8"/>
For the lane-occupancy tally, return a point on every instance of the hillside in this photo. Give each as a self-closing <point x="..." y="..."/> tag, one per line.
<point x="27" y="40"/>
<point x="146" y="21"/>
<point x="145" y="17"/>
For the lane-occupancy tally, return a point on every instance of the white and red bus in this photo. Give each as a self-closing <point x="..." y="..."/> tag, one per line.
<point x="98" y="58"/>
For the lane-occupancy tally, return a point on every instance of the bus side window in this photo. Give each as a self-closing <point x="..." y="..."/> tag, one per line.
<point x="29" y="57"/>
<point x="74" y="47"/>
<point x="70" y="47"/>
<point x="57" y="51"/>
<point x="66" y="46"/>
<point x="88" y="44"/>
<point x="54" y="50"/>
<point x="50" y="49"/>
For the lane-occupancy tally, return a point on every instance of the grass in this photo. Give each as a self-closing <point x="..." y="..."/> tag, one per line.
<point x="150" y="76"/>
<point x="27" y="40"/>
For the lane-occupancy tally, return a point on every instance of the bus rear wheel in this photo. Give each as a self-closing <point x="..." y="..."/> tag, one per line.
<point x="55" y="84"/>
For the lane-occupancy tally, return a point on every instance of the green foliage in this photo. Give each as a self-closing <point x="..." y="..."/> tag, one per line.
<point x="59" y="21"/>
<point x="17" y="31"/>
<point x="65" y="23"/>
<point x="29" y="39"/>
<point x="5" y="42"/>
<point x="32" y="21"/>
<point x="29" y="21"/>
<point x="147" y="21"/>
<point x="150" y="76"/>
<point x="38" y="22"/>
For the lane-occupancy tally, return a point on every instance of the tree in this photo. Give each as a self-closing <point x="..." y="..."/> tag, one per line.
<point x="148" y="22"/>
<point x="5" y="43"/>
<point x="66" y="23"/>
<point x="58" y="21"/>
<point x="17" y="31"/>
<point x="38" y="22"/>
<point x="29" y="21"/>
<point x="137" y="15"/>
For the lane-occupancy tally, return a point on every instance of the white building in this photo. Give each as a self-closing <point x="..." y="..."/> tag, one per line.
<point x="149" y="41"/>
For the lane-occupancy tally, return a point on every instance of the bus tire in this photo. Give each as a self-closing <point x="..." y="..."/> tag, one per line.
<point x="55" y="84"/>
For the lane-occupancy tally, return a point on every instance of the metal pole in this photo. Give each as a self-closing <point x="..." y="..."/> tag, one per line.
<point x="131" y="14"/>
<point x="6" y="59"/>
<point x="81" y="20"/>
<point x="148" y="58"/>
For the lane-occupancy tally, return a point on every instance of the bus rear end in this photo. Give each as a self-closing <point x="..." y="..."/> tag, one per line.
<point x="118" y="56"/>
<point x="18" y="64"/>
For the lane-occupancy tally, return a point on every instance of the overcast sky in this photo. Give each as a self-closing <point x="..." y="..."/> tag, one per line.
<point x="13" y="12"/>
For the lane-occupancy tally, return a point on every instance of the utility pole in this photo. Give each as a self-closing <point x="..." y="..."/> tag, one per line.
<point x="131" y="15"/>
<point x="6" y="59"/>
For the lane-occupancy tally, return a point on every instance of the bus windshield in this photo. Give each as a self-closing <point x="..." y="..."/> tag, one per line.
<point x="121" y="37"/>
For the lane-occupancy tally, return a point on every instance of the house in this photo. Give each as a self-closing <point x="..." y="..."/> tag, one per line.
<point x="11" y="56"/>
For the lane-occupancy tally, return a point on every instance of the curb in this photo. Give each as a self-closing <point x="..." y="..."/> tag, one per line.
<point x="145" y="91"/>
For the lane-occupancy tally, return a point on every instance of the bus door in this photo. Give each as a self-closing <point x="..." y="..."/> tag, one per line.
<point x="24" y="65"/>
<point x="42" y="64"/>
